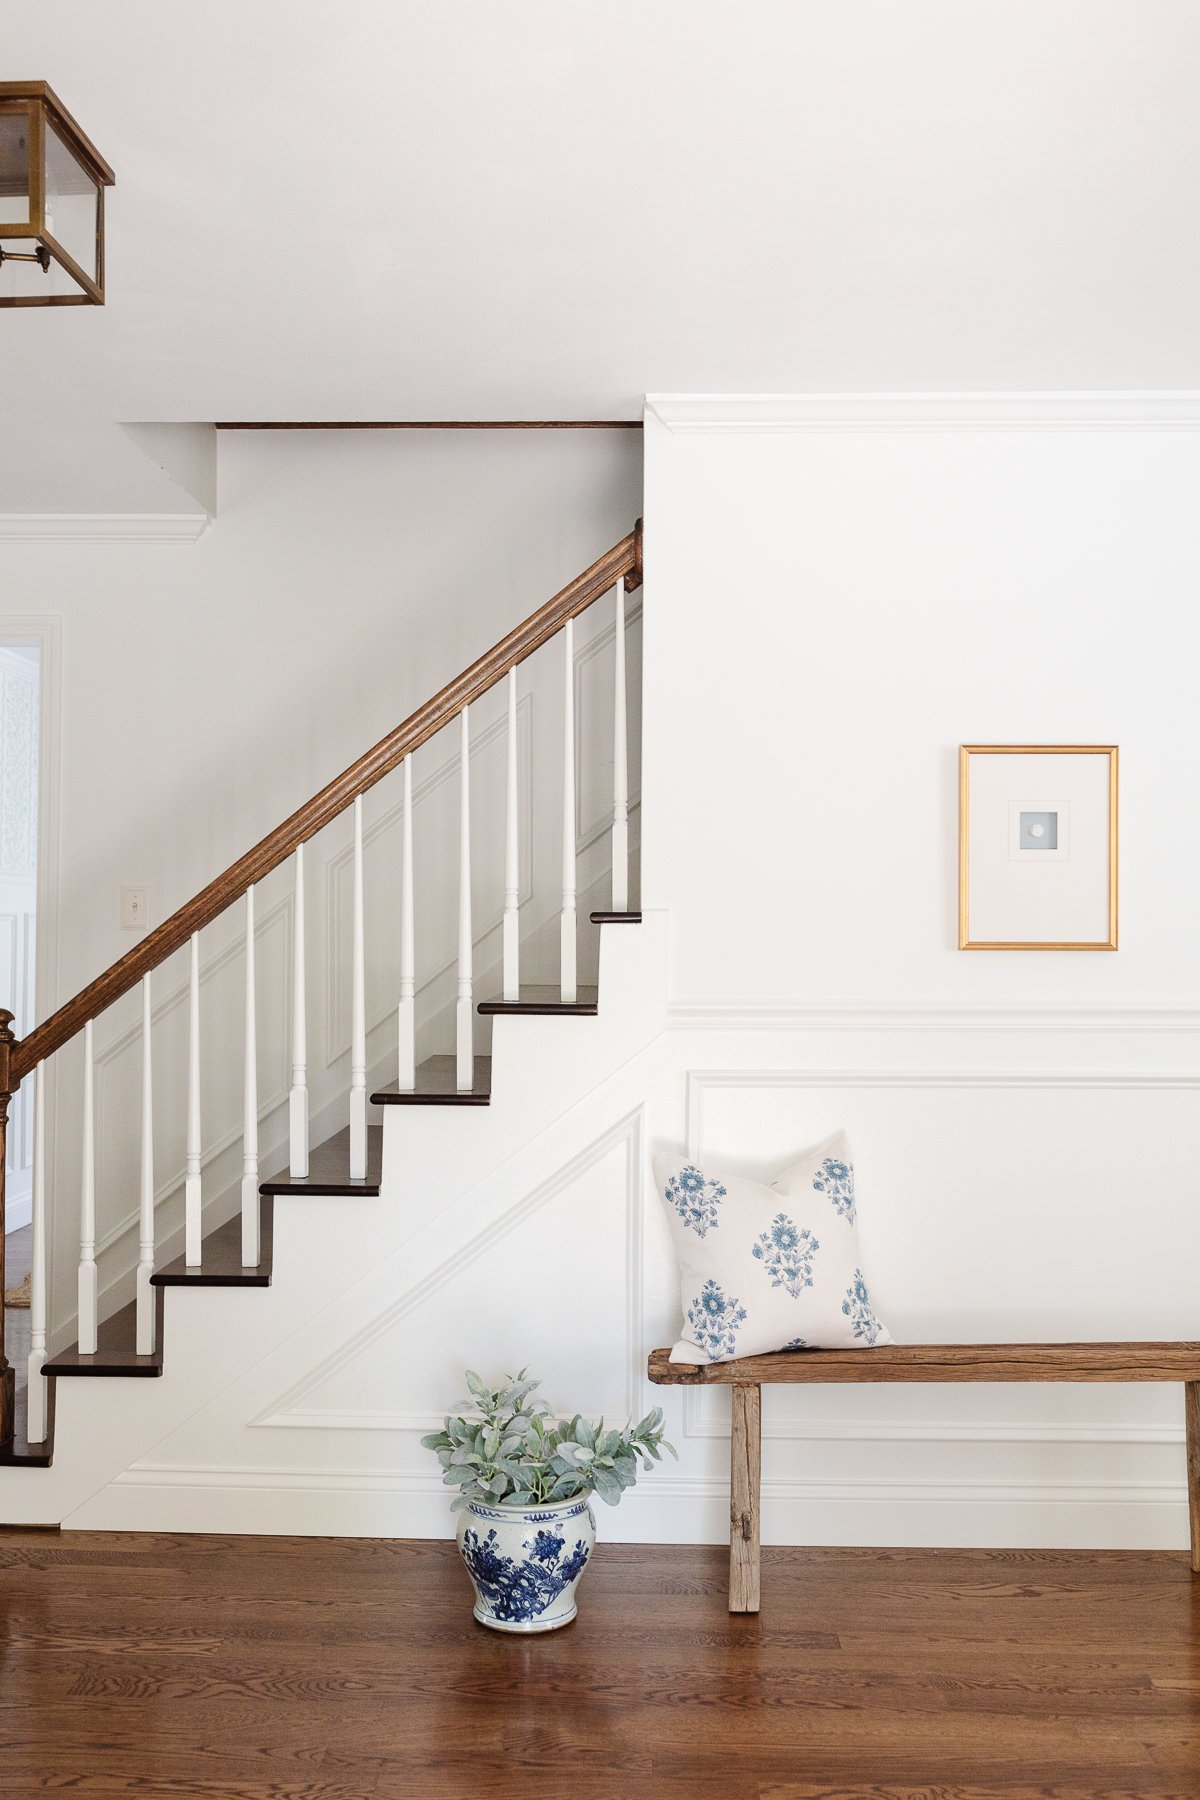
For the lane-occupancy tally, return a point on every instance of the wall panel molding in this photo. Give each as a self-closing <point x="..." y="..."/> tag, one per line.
<point x="904" y="1015"/>
<point x="702" y="1081"/>
<point x="290" y="1411"/>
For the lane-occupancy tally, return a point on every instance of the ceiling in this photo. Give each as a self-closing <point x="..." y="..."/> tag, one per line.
<point x="384" y="209"/>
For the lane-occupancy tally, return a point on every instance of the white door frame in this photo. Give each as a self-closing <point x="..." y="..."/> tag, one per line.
<point x="45" y="630"/>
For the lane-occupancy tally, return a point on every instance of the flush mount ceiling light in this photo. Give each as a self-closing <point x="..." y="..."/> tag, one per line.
<point x="52" y="182"/>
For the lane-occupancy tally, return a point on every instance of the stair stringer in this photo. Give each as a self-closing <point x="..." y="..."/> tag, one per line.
<point x="542" y="1069"/>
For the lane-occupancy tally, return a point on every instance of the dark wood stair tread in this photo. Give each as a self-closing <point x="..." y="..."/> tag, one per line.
<point x="329" y="1168"/>
<point x="221" y="1258"/>
<point x="612" y="918"/>
<point x="117" y="1352"/>
<point x="437" y="1085"/>
<point x="545" y="1000"/>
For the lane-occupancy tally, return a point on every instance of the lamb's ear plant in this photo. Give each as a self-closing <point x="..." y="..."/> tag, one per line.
<point x="508" y="1449"/>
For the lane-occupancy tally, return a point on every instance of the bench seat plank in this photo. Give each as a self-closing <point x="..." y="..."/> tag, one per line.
<point x="944" y="1362"/>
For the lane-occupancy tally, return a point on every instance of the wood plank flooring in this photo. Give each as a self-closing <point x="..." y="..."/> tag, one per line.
<point x="244" y="1668"/>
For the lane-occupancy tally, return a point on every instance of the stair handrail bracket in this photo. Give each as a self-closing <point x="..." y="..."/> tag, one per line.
<point x="619" y="568"/>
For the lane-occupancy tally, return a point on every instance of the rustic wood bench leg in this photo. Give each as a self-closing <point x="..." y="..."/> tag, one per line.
<point x="745" y="1480"/>
<point x="1191" y="1407"/>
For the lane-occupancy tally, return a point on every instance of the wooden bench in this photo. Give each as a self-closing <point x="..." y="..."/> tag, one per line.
<point x="914" y="1362"/>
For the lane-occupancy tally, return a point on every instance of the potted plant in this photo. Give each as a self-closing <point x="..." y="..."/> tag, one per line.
<point x="526" y="1479"/>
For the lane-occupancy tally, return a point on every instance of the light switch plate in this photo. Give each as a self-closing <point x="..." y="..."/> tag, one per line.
<point x="135" y="908"/>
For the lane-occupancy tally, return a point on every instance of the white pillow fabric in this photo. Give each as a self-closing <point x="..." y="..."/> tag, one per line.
<point x="768" y="1268"/>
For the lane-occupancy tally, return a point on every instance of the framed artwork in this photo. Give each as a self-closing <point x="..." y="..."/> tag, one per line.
<point x="1037" y="847"/>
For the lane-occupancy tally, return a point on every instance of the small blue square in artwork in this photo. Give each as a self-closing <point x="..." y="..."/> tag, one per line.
<point x="1039" y="831"/>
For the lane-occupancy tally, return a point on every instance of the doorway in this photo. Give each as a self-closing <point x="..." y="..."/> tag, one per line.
<point x="20" y="737"/>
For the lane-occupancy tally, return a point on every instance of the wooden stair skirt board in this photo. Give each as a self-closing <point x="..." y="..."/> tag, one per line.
<point x="913" y="1362"/>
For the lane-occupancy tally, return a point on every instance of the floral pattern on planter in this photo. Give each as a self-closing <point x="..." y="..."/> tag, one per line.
<point x="858" y="1309"/>
<point x="836" y="1179"/>
<point x="525" y="1565"/>
<point x="695" y="1199"/>
<point x="787" y="1253"/>
<point x="714" y="1317"/>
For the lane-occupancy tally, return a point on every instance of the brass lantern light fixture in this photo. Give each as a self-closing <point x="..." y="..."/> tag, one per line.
<point x="52" y="182"/>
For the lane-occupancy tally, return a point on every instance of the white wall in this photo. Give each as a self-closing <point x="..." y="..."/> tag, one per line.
<point x="830" y="610"/>
<point x="835" y="600"/>
<point x="208" y="689"/>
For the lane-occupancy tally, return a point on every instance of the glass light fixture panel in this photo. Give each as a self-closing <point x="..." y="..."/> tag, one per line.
<point x="14" y="166"/>
<point x="72" y="202"/>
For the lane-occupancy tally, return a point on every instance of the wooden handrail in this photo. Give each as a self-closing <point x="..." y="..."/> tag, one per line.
<point x="624" y="559"/>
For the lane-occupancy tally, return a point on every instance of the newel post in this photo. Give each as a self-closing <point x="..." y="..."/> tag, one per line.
<point x="7" y="1377"/>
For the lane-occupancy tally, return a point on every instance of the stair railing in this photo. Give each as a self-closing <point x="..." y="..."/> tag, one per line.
<point x="619" y="568"/>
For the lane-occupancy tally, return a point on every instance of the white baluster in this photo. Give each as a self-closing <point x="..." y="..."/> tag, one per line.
<point x="358" y="1016"/>
<point x="145" y="1268"/>
<point x="298" y="1098"/>
<point x="567" y="933"/>
<point x="512" y="879"/>
<point x="38" y="1386"/>
<point x="192" y="1197"/>
<point x="620" y="824"/>
<point x="465" y="1033"/>
<point x="88" y="1297"/>
<point x="250" y="1205"/>
<point x="406" y="1017"/>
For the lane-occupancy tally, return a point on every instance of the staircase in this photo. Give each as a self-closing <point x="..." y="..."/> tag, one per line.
<point x="241" y="1253"/>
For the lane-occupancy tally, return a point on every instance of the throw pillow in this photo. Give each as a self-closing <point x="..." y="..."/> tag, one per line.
<point x="769" y="1267"/>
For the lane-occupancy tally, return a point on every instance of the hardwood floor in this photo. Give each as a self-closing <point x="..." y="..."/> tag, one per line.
<point x="342" y="1669"/>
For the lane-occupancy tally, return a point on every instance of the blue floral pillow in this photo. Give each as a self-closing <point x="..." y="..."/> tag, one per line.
<point x="769" y="1268"/>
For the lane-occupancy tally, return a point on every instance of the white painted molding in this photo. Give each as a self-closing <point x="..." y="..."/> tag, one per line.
<point x="101" y="528"/>
<point x="289" y="1409"/>
<point x="1119" y="410"/>
<point x="904" y="1015"/>
<point x="669" y="1486"/>
<point x="703" y="1081"/>
<point x="699" y="1422"/>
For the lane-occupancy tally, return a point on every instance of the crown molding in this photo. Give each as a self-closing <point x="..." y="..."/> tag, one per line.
<point x="101" y="528"/>
<point x="1096" y="410"/>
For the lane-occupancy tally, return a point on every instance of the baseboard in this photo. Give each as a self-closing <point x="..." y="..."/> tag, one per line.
<point x="1117" y="1515"/>
<point x="18" y="1214"/>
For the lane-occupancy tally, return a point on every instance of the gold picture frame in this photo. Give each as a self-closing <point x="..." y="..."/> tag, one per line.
<point x="999" y="942"/>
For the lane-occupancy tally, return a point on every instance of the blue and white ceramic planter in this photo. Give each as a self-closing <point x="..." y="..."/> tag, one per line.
<point x="525" y="1564"/>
